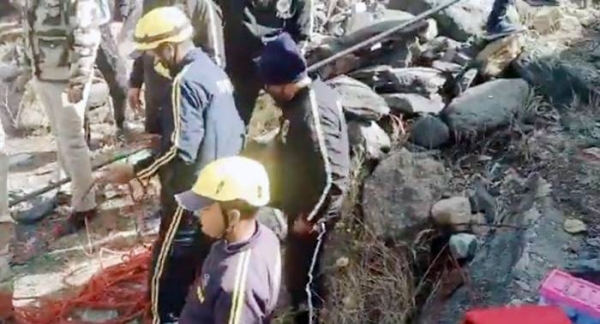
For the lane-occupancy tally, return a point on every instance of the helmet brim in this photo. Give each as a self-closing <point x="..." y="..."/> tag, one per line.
<point x="191" y="201"/>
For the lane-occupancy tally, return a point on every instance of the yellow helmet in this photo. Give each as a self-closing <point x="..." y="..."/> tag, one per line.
<point x="162" y="25"/>
<point x="227" y="179"/>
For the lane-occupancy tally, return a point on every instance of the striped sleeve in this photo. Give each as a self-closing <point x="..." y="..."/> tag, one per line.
<point x="238" y="306"/>
<point x="181" y="105"/>
<point x="322" y="167"/>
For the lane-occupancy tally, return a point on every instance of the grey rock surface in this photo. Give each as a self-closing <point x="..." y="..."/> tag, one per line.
<point x="398" y="196"/>
<point x="369" y="139"/>
<point x="358" y="100"/>
<point x="487" y="106"/>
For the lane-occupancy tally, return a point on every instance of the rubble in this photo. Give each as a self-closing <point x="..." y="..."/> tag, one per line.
<point x="368" y="139"/>
<point x="429" y="132"/>
<point x="454" y="213"/>
<point x="413" y="104"/>
<point x="398" y="195"/>
<point x="358" y="100"/>
<point x="486" y="107"/>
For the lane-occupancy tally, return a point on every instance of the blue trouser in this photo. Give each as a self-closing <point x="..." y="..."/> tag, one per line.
<point x="498" y="14"/>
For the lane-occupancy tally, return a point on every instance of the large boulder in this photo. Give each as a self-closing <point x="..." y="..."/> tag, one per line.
<point x="367" y="138"/>
<point x="486" y="106"/>
<point x="385" y="79"/>
<point x="358" y="100"/>
<point x="398" y="196"/>
<point x="460" y="21"/>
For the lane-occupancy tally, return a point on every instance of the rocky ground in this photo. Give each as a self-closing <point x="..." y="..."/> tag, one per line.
<point x="476" y="167"/>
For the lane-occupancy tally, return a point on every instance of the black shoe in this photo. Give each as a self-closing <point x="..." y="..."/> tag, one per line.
<point x="503" y="29"/>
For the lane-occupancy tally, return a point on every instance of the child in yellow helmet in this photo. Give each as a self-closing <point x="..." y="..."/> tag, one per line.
<point x="241" y="276"/>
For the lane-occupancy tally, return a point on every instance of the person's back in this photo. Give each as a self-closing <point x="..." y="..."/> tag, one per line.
<point x="223" y="130"/>
<point x="249" y="271"/>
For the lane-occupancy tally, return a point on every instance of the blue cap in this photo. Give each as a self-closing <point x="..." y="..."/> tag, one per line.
<point x="281" y="61"/>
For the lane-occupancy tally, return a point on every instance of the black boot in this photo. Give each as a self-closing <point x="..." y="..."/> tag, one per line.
<point x="498" y="24"/>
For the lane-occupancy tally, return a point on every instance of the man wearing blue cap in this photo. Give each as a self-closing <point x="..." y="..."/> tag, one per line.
<point x="314" y="166"/>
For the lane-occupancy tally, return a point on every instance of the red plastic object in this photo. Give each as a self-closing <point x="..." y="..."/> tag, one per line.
<point x="517" y="315"/>
<point x="562" y="289"/>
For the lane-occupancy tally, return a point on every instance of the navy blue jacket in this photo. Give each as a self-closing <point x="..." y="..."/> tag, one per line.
<point x="201" y="123"/>
<point x="239" y="283"/>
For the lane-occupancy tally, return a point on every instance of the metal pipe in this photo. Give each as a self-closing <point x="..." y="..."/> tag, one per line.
<point x="377" y="38"/>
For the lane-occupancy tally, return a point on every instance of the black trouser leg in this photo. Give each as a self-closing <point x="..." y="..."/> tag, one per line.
<point x="298" y="257"/>
<point x="498" y="14"/>
<point x="113" y="70"/>
<point x="246" y="90"/>
<point x="177" y="256"/>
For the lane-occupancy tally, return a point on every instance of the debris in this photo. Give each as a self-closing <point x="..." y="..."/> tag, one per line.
<point x="487" y="106"/>
<point x="429" y="132"/>
<point x="369" y="139"/>
<point x="412" y="103"/>
<point x="574" y="226"/>
<point x="481" y="200"/>
<point x="98" y="316"/>
<point x="385" y="79"/>
<point x="463" y="246"/>
<point x="452" y="213"/>
<point x="460" y="22"/>
<point x="397" y="197"/>
<point x="358" y="100"/>
<point x="498" y="55"/>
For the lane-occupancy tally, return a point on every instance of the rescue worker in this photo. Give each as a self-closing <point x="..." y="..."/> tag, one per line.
<point x="314" y="166"/>
<point x="149" y="72"/>
<point x="228" y="194"/>
<point x="112" y="66"/>
<point x="61" y="41"/>
<point x="247" y="25"/>
<point x="199" y="126"/>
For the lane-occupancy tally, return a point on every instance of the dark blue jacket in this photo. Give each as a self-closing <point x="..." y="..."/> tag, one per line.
<point x="239" y="283"/>
<point x="200" y="125"/>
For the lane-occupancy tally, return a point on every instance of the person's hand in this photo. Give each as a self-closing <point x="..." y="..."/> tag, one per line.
<point x="117" y="173"/>
<point x="135" y="102"/>
<point x="303" y="227"/>
<point x="75" y="92"/>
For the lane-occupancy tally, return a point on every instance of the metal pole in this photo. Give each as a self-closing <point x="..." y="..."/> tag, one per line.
<point x="377" y="38"/>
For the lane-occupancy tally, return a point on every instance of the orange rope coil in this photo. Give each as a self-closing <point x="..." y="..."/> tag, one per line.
<point x="122" y="288"/>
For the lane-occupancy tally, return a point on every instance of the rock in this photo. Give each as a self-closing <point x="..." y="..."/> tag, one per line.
<point x="547" y="20"/>
<point x="447" y="67"/>
<point x="440" y="48"/>
<point x="592" y="152"/>
<point x="487" y="106"/>
<point x="479" y="225"/>
<point x="21" y="160"/>
<point x="397" y="197"/>
<point x="454" y="213"/>
<point x="412" y="103"/>
<point x="273" y="219"/>
<point x="460" y="21"/>
<point x="358" y="100"/>
<point x="557" y="76"/>
<point x="385" y="79"/>
<point x="369" y="139"/>
<point x="429" y="132"/>
<point x="574" y="226"/>
<point x="430" y="33"/>
<point x="498" y="55"/>
<point x="463" y="246"/>
<point x="99" y="93"/>
<point x="481" y="200"/>
<point x="33" y="115"/>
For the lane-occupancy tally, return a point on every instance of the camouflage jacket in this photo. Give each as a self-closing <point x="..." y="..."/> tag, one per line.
<point x="61" y="39"/>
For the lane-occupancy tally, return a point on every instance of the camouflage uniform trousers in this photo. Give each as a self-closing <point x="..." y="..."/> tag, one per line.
<point x="66" y="121"/>
<point x="112" y="67"/>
